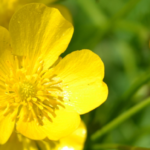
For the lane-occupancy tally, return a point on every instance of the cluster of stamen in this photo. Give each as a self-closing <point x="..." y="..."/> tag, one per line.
<point x="39" y="91"/>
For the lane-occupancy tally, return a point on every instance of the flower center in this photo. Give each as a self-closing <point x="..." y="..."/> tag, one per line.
<point x="38" y="91"/>
<point x="26" y="90"/>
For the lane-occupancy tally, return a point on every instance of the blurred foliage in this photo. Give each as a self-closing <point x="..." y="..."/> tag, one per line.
<point x="118" y="31"/>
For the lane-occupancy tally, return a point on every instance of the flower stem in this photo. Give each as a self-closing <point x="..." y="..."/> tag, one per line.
<point x="124" y="100"/>
<point x="116" y="146"/>
<point x="124" y="116"/>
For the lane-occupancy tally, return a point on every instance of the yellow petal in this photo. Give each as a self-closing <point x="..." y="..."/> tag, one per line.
<point x="87" y="97"/>
<point x="40" y="31"/>
<point x="82" y="73"/>
<point x="18" y="142"/>
<point x="75" y="140"/>
<point x="5" y="55"/>
<point x="6" y="123"/>
<point x="29" y="129"/>
<point x="9" y="7"/>
<point x="6" y="126"/>
<point x="65" y="122"/>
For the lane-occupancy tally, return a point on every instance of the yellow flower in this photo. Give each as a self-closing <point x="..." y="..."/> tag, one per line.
<point x="75" y="141"/>
<point x="40" y="94"/>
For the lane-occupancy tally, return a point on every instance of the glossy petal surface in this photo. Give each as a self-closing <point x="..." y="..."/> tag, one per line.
<point x="7" y="124"/>
<point x="36" y="32"/>
<point x="5" y="53"/>
<point x="82" y="73"/>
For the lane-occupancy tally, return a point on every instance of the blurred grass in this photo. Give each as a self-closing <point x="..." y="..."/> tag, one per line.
<point x="118" y="31"/>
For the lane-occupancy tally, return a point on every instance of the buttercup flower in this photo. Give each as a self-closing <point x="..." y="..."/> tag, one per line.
<point x="75" y="141"/>
<point x="42" y="95"/>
